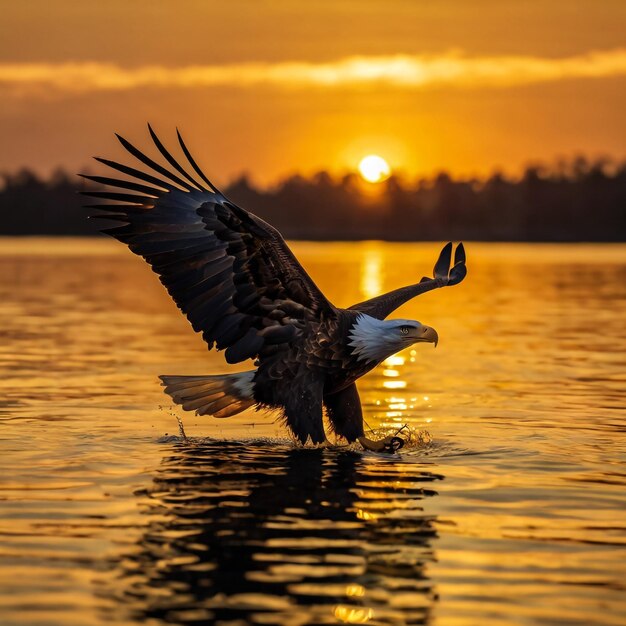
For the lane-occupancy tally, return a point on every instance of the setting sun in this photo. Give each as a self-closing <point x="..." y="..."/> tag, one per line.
<point x="374" y="168"/>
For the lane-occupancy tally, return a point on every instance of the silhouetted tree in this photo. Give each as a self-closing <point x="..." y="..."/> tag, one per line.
<point x="575" y="200"/>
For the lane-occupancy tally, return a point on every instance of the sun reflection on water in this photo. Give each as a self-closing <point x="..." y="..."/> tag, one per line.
<point x="394" y="384"/>
<point x="355" y="591"/>
<point x="350" y="615"/>
<point x="372" y="273"/>
<point x="398" y="410"/>
<point x="394" y="360"/>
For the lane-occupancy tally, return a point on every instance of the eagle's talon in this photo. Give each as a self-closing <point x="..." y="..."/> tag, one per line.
<point x="389" y="444"/>
<point x="395" y="444"/>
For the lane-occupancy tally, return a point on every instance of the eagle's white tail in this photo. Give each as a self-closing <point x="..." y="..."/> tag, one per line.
<point x="220" y="396"/>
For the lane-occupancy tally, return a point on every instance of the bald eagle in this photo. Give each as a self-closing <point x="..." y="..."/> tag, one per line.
<point x="239" y="284"/>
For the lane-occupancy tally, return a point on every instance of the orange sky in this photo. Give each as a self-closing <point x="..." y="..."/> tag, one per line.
<point x="275" y="87"/>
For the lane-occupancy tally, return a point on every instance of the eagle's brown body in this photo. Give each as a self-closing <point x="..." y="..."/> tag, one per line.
<point x="316" y="366"/>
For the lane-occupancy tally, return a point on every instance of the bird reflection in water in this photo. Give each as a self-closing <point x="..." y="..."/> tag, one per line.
<point x="250" y="534"/>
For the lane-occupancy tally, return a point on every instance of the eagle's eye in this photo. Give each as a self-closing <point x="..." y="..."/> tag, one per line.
<point x="404" y="330"/>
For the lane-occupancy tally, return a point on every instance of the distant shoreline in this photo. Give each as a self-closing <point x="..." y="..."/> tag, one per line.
<point x="581" y="201"/>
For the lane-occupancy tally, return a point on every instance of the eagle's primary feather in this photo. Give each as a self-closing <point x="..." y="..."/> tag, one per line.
<point x="239" y="284"/>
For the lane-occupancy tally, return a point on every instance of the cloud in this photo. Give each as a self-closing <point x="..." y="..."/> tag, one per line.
<point x="399" y="71"/>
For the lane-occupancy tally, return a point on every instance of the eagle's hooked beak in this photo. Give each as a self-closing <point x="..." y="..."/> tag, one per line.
<point x="427" y="334"/>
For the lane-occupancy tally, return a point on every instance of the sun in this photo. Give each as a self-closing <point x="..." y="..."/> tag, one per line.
<point x="374" y="168"/>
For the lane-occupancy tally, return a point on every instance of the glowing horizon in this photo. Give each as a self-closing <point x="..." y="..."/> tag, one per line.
<point x="271" y="90"/>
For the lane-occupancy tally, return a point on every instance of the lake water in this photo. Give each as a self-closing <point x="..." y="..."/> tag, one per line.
<point x="508" y="506"/>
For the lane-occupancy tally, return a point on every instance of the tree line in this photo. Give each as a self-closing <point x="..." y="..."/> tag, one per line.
<point x="577" y="200"/>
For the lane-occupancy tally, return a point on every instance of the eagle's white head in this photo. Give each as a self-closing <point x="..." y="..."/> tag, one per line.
<point x="375" y="340"/>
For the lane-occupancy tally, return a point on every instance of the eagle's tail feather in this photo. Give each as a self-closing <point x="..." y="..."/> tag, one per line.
<point x="220" y="396"/>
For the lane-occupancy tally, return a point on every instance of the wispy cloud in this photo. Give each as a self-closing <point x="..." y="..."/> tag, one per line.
<point x="400" y="71"/>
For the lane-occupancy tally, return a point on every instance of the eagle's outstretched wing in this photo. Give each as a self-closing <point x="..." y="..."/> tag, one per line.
<point x="231" y="273"/>
<point x="381" y="306"/>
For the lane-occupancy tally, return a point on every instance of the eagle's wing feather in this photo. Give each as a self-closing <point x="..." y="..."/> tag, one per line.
<point x="231" y="273"/>
<point x="381" y="306"/>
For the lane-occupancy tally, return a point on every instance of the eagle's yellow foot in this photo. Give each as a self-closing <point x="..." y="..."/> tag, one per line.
<point x="388" y="444"/>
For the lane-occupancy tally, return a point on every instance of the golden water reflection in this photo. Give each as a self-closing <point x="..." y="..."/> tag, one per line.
<point x="351" y="615"/>
<point x="103" y="519"/>
<point x="372" y="272"/>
